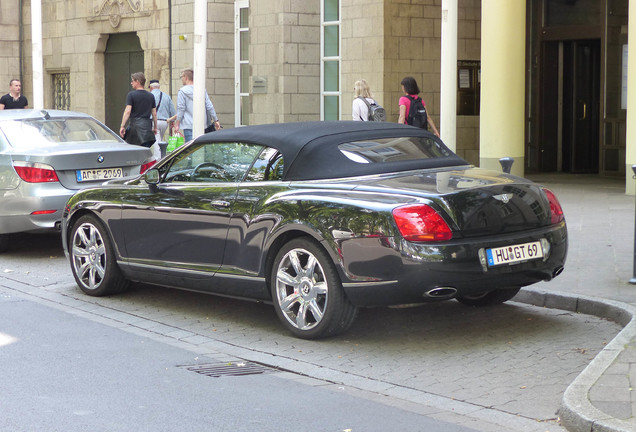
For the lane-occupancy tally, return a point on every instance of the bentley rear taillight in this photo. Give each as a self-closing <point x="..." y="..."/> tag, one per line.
<point x="556" y="211"/>
<point x="34" y="172"/>
<point x="420" y="223"/>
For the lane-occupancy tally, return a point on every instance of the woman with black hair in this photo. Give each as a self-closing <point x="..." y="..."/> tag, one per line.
<point x="412" y="107"/>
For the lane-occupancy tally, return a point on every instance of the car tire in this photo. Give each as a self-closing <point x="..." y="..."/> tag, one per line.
<point x="4" y="242"/>
<point x="490" y="298"/>
<point x="93" y="260"/>
<point x="307" y="292"/>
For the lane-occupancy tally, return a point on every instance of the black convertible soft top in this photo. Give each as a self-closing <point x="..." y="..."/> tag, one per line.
<point x="310" y="149"/>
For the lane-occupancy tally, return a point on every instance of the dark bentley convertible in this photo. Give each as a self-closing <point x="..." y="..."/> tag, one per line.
<point x="318" y="218"/>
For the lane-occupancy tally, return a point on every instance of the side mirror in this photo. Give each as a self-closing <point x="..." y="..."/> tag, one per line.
<point x="152" y="176"/>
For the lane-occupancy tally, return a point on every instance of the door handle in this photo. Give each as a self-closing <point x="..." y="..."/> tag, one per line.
<point x="219" y="203"/>
<point x="584" y="111"/>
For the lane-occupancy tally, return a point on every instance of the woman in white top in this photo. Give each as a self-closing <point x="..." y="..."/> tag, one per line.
<point x="360" y="110"/>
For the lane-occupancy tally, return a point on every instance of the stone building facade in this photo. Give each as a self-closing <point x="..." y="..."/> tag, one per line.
<point x="282" y="54"/>
<point x="293" y="60"/>
<point x="10" y="48"/>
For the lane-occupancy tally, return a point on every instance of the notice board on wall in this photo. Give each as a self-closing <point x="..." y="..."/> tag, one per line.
<point x="468" y="87"/>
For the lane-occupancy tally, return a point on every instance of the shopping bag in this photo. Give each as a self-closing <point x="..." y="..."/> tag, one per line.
<point x="174" y="142"/>
<point x="156" y="150"/>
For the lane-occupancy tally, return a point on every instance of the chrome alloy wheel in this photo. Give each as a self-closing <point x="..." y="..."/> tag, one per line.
<point x="88" y="255"/>
<point x="301" y="289"/>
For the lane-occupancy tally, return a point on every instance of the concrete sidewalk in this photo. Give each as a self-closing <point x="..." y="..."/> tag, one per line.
<point x="600" y="263"/>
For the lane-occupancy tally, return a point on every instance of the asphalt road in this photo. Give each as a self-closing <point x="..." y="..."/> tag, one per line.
<point x="62" y="372"/>
<point x="491" y="369"/>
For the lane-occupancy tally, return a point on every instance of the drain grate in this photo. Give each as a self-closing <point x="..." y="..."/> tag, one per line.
<point x="216" y="370"/>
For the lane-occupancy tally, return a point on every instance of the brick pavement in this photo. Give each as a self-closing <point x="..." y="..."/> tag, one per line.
<point x="498" y="369"/>
<point x="600" y="264"/>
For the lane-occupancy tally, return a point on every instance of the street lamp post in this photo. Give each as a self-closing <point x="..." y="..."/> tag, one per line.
<point x="199" y="113"/>
<point x="36" y="54"/>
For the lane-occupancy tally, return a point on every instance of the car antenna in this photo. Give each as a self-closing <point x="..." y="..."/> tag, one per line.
<point x="45" y="114"/>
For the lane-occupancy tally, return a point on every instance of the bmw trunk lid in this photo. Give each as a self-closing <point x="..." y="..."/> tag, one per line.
<point x="70" y="161"/>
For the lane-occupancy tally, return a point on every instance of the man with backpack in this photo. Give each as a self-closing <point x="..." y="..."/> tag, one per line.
<point x="413" y="109"/>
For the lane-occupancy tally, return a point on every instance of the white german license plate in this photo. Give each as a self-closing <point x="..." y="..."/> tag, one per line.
<point x="99" y="174"/>
<point x="514" y="253"/>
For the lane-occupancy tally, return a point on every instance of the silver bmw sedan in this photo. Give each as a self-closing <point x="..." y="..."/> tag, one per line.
<point x="46" y="156"/>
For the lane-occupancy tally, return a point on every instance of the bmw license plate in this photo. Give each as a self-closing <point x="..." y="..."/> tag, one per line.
<point x="99" y="174"/>
<point x="514" y="253"/>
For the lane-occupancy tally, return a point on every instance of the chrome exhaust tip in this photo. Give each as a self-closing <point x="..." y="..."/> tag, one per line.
<point x="441" y="292"/>
<point x="558" y="271"/>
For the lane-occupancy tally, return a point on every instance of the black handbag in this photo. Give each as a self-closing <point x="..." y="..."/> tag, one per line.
<point x="210" y="128"/>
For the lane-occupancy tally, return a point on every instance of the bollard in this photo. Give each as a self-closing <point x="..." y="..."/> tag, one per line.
<point x="633" y="279"/>
<point x="163" y="146"/>
<point x="506" y="164"/>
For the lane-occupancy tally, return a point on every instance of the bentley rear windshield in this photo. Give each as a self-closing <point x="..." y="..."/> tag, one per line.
<point x="384" y="150"/>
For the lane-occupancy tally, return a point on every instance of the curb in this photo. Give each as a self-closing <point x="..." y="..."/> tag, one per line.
<point x="577" y="412"/>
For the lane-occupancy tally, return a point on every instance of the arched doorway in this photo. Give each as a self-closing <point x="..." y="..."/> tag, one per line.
<point x="123" y="56"/>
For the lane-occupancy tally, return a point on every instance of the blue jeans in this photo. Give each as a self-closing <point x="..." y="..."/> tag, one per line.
<point x="187" y="135"/>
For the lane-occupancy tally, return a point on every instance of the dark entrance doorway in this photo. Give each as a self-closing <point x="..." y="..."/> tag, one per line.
<point x="123" y="57"/>
<point x="570" y="106"/>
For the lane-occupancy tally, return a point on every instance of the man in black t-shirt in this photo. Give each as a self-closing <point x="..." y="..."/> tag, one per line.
<point x="13" y="99"/>
<point x="140" y="107"/>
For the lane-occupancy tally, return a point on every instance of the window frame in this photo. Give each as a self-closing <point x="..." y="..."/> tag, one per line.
<point x="61" y="90"/>
<point x="329" y="59"/>
<point x="273" y="162"/>
<point x="198" y="155"/>
<point x="238" y="64"/>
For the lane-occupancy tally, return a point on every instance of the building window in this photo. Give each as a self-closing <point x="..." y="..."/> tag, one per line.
<point x="241" y="64"/>
<point x="62" y="91"/>
<point x="330" y="64"/>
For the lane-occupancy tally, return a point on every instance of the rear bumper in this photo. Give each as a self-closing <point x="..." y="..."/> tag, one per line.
<point x="404" y="272"/>
<point x="17" y="208"/>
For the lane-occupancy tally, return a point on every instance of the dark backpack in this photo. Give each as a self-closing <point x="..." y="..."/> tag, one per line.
<point x="417" y="113"/>
<point x="376" y="112"/>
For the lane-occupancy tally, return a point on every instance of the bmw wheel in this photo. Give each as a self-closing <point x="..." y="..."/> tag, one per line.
<point x="93" y="259"/>
<point x="307" y="292"/>
<point x="490" y="298"/>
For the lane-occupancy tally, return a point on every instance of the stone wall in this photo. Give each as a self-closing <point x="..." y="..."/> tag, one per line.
<point x="285" y="55"/>
<point x="381" y="41"/>
<point x="468" y="48"/>
<point x="362" y="31"/>
<point x="220" y="52"/>
<point x="75" y="35"/>
<point x="10" y="45"/>
<point x="413" y="48"/>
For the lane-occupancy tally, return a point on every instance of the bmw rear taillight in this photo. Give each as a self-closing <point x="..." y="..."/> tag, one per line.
<point x="145" y="167"/>
<point x="556" y="211"/>
<point x="35" y="172"/>
<point x="421" y="223"/>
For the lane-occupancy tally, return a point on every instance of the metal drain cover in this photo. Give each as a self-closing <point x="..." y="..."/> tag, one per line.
<point x="216" y="370"/>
